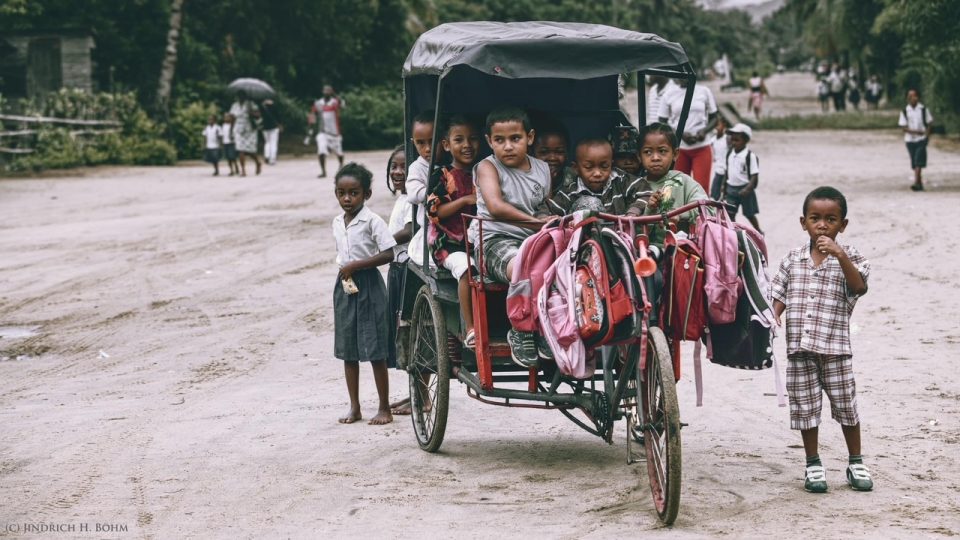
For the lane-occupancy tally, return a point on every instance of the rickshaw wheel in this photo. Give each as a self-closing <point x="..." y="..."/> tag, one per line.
<point x="660" y="420"/>
<point x="429" y="371"/>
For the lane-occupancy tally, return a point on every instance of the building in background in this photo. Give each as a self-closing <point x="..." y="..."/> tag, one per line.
<point x="35" y="62"/>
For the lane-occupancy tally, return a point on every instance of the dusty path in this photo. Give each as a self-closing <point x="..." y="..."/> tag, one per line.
<point x="211" y="411"/>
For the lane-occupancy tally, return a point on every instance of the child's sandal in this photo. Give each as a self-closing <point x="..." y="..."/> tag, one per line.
<point x="815" y="479"/>
<point x="858" y="476"/>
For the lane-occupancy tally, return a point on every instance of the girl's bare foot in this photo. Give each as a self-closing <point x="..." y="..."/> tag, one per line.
<point x="382" y="417"/>
<point x="401" y="408"/>
<point x="352" y="416"/>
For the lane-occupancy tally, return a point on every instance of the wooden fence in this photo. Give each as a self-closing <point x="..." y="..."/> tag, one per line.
<point x="18" y="133"/>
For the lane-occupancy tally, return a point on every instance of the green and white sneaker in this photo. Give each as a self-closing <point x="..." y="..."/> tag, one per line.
<point x="815" y="479"/>
<point x="858" y="476"/>
<point x="523" y="348"/>
<point x="543" y="348"/>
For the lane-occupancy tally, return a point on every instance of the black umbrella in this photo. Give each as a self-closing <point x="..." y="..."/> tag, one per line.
<point x="255" y="88"/>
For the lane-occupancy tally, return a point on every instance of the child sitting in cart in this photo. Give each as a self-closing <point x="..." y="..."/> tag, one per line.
<point x="626" y="151"/>
<point x="550" y="145"/>
<point x="671" y="189"/>
<point x="453" y="196"/>
<point x="418" y="173"/>
<point x="618" y="192"/>
<point x="512" y="190"/>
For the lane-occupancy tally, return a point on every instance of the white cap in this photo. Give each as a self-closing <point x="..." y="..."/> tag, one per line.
<point x="742" y="128"/>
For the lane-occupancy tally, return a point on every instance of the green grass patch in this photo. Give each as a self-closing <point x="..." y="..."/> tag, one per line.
<point x="844" y="120"/>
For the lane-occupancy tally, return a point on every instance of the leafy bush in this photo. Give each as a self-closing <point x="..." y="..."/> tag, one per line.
<point x="137" y="141"/>
<point x="372" y="118"/>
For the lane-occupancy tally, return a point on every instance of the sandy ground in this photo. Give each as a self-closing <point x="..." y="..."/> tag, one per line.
<point x="181" y="380"/>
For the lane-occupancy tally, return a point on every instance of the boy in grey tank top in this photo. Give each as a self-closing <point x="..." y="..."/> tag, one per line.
<point x="512" y="188"/>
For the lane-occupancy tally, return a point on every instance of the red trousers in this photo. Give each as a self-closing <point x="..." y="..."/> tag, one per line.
<point x="696" y="163"/>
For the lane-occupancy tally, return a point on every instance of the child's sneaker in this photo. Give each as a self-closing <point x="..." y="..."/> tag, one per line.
<point x="523" y="348"/>
<point x="543" y="348"/>
<point x="815" y="479"/>
<point x="858" y="476"/>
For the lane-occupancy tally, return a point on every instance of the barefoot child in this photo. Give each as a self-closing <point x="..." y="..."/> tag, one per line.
<point x="618" y="192"/>
<point x="917" y="122"/>
<point x="452" y="197"/>
<point x="211" y="147"/>
<point x="818" y="285"/>
<point x="671" y="189"/>
<point x="512" y="189"/>
<point x="359" y="295"/>
<point x="401" y="227"/>
<point x="743" y="173"/>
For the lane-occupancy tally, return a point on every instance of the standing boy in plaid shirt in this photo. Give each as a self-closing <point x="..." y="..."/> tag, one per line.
<point x="818" y="285"/>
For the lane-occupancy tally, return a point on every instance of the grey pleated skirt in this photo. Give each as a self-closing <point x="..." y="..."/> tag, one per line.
<point x="360" y="320"/>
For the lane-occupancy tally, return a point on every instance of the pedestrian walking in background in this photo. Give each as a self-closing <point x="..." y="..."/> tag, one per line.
<point x="873" y="93"/>
<point x="838" y="89"/>
<point x="326" y="113"/>
<point x="246" y="119"/>
<point x="271" y="131"/>
<point x="916" y="122"/>
<point x="696" y="153"/>
<point x="757" y="91"/>
<point x="211" y="143"/>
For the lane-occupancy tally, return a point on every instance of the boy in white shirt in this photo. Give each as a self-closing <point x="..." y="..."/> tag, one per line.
<point x="719" y="160"/>
<point x="211" y="139"/>
<point x="418" y="176"/>
<point x="743" y="173"/>
<point x="916" y="122"/>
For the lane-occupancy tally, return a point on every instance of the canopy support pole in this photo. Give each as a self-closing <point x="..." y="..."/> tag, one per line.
<point x="642" y="100"/>
<point x="691" y="78"/>
<point x="433" y="162"/>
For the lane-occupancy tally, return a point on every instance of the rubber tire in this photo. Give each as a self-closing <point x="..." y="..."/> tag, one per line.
<point x="429" y="325"/>
<point x="664" y="474"/>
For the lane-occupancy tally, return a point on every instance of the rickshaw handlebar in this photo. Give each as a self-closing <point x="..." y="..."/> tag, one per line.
<point x="654" y="218"/>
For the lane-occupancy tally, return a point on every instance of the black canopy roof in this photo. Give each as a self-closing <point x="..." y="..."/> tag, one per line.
<point x="539" y="49"/>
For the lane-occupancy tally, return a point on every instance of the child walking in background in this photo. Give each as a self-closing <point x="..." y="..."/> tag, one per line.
<point x="359" y="295"/>
<point x="917" y="122"/>
<point x="818" y="285"/>
<point x="743" y="173"/>
<point x="229" y="146"/>
<point x="719" y="160"/>
<point x="211" y="139"/>
<point x="452" y="197"/>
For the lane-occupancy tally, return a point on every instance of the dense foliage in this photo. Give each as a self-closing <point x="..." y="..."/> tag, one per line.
<point x="909" y="44"/>
<point x="359" y="46"/>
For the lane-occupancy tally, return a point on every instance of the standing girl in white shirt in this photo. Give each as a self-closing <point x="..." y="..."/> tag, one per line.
<point x="359" y="296"/>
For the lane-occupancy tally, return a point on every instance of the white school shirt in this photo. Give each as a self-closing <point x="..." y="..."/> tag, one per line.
<point x="365" y="236"/>
<point x="720" y="155"/>
<point x="418" y="174"/>
<point x="655" y="97"/>
<point x="227" y="133"/>
<point x="212" y="136"/>
<point x="737" y="167"/>
<point x="914" y="120"/>
<point x="702" y="106"/>
<point x="401" y="215"/>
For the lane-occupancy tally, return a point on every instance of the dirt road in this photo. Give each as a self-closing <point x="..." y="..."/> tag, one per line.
<point x="180" y="381"/>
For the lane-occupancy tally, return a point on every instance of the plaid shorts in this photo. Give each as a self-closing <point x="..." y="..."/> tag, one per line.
<point x="498" y="251"/>
<point x="809" y="375"/>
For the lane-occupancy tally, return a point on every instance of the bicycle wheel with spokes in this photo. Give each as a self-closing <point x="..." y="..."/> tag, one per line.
<point x="429" y="371"/>
<point x="660" y="420"/>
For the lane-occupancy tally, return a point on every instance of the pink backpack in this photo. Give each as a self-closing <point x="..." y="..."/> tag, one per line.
<point x="717" y="239"/>
<point x="556" y="305"/>
<point x="537" y="253"/>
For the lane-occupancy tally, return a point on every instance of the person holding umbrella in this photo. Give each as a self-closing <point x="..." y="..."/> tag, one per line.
<point x="247" y="116"/>
<point x="326" y="113"/>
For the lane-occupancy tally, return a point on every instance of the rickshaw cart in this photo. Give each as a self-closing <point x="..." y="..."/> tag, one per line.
<point x="569" y="71"/>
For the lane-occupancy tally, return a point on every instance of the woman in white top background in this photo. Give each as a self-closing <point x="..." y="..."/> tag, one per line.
<point x="696" y="155"/>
